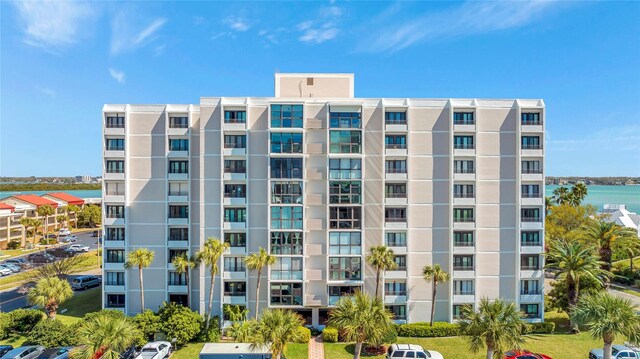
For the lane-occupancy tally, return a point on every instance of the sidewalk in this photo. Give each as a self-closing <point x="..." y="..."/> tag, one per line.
<point x="316" y="348"/>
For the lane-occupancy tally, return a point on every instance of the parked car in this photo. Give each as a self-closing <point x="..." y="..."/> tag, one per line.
<point x="131" y="353"/>
<point x="4" y="349"/>
<point x="77" y="248"/>
<point x="617" y="351"/>
<point x="70" y="238"/>
<point x="85" y="281"/>
<point x="524" y="354"/>
<point x="155" y="350"/>
<point x="95" y="234"/>
<point x="411" y="351"/>
<point x="27" y="352"/>
<point x="5" y="270"/>
<point x="56" y="353"/>
<point x="41" y="257"/>
<point x="51" y="235"/>
<point x="14" y="268"/>
<point x="22" y="262"/>
<point x="64" y="232"/>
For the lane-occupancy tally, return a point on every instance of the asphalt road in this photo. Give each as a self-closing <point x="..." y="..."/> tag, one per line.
<point x="15" y="298"/>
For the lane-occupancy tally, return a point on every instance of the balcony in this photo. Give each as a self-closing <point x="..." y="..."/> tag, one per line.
<point x="114" y="152"/>
<point x="463" y="248"/>
<point x="395" y="298"/>
<point x="178" y="221"/>
<point x="178" y="131"/>
<point x="113" y="196"/>
<point x="235" y="298"/>
<point x="234" y="125"/>
<point x="396" y="174"/>
<point x="396" y="150"/>
<point x="234" y="151"/>
<point x="464" y="150"/>
<point x="235" y="176"/>
<point x="313" y="124"/>
<point x="462" y="272"/>
<point x="531" y="126"/>
<point x="398" y="273"/>
<point x="531" y="272"/>
<point x="464" y="126"/>
<point x="531" y="296"/>
<point x="395" y="223"/>
<point x="178" y="196"/>
<point x="395" y="126"/>
<point x="531" y="199"/>
<point x="315" y="174"/>
<point x="111" y="288"/>
<point x="177" y="288"/>
<point x="531" y="223"/>
<point x="532" y="174"/>
<point x="113" y="266"/>
<point x="234" y="201"/>
<point x="464" y="198"/>
<point x="464" y="174"/>
<point x="286" y="275"/>
<point x="315" y="148"/>
<point x="177" y="243"/>
<point x="394" y="199"/>
<point x="464" y="223"/>
<point x="113" y="221"/>
<point x="464" y="297"/>
<point x="110" y="243"/>
<point x="531" y="150"/>
<point x="398" y="249"/>
<point x="113" y="176"/>
<point x="236" y="250"/>
<point x="531" y="248"/>
<point x="234" y="225"/>
<point x="234" y="275"/>
<point x="117" y="131"/>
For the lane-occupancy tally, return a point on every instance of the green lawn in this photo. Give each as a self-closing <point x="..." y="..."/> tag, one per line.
<point x="191" y="350"/>
<point x="297" y="351"/>
<point x="10" y="253"/>
<point x="82" y="303"/>
<point x="624" y="263"/>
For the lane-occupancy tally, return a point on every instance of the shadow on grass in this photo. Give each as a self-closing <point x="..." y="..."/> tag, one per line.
<point x="561" y="321"/>
<point x="351" y="349"/>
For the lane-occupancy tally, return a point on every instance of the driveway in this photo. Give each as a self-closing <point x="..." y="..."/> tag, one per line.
<point x="634" y="299"/>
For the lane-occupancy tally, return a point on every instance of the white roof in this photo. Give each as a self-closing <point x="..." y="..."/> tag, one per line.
<point x="233" y="348"/>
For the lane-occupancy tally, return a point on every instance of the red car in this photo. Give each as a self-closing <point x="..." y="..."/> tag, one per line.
<point x="524" y="354"/>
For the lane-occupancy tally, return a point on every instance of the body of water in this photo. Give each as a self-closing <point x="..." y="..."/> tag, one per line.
<point x="91" y="193"/>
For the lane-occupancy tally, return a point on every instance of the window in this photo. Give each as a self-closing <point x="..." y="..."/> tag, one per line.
<point x="530" y="238"/>
<point x="337" y="291"/>
<point x="114" y="188"/>
<point x="463" y="262"/>
<point x="282" y="142"/>
<point x="530" y="310"/>
<point x="395" y="288"/>
<point x="463" y="142"/>
<point x="395" y="141"/>
<point x="178" y="234"/>
<point x="287" y="268"/>
<point x="286" y="243"/>
<point x="235" y="289"/>
<point x="399" y="313"/>
<point x="115" y="256"/>
<point x="286" y="116"/>
<point x="345" y="192"/>
<point x="286" y="217"/>
<point x="235" y="116"/>
<point x="401" y="262"/>
<point x="345" y="141"/>
<point x="395" y="214"/>
<point x="463" y="287"/>
<point x="179" y="167"/>
<point x="530" y="215"/>
<point x="396" y="166"/>
<point x="463" y="166"/>
<point x="530" y="287"/>
<point x="531" y="167"/>
<point x="395" y="118"/>
<point x="286" y="168"/>
<point x="114" y="211"/>
<point x="286" y="192"/>
<point x="234" y="264"/>
<point x="457" y="310"/>
<point x="178" y="122"/>
<point x="286" y="293"/>
<point x="463" y="118"/>
<point x="531" y="118"/>
<point x="178" y="144"/>
<point x="344" y="217"/>
<point x="531" y="143"/>
<point x="235" y="141"/>
<point x="235" y="190"/>
<point x="345" y="120"/>
<point x="114" y="278"/>
<point x="236" y="239"/>
<point x="114" y="122"/>
<point x="463" y="215"/>
<point x="115" y="144"/>
<point x="114" y="234"/>
<point x="235" y="166"/>
<point x="173" y="253"/>
<point x="344" y="268"/>
<point x="395" y="190"/>
<point x="345" y="168"/>
<point x="235" y="215"/>
<point x="396" y="239"/>
<point x="463" y="191"/>
<point x="115" y="301"/>
<point x="178" y="188"/>
<point x="178" y="211"/>
<point x="529" y="262"/>
<point x="179" y="299"/>
<point x="176" y="278"/>
<point x="531" y="191"/>
<point x="345" y="243"/>
<point x="115" y="166"/>
<point x="463" y="239"/>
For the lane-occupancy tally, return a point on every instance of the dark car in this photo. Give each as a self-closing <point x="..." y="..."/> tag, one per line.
<point x="4" y="349"/>
<point x="131" y="353"/>
<point x="41" y="257"/>
<point x="20" y="261"/>
<point x="56" y="353"/>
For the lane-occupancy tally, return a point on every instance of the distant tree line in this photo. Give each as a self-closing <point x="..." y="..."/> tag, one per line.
<point x="48" y="187"/>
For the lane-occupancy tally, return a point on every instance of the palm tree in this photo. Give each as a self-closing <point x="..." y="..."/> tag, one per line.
<point x="49" y="293"/>
<point x="105" y="337"/>
<point x="496" y="325"/>
<point x="140" y="258"/>
<point x="275" y="329"/>
<point x="437" y="275"/>
<point x="27" y="223"/>
<point x="210" y="255"/>
<point x="578" y="193"/>
<point x="183" y="264"/>
<point x="607" y="316"/>
<point x="381" y="259"/>
<point x="72" y="208"/>
<point x="257" y="261"/>
<point x="46" y="211"/>
<point x="605" y="234"/>
<point x="361" y="318"/>
<point x="548" y="203"/>
<point x="574" y="260"/>
<point x="62" y="219"/>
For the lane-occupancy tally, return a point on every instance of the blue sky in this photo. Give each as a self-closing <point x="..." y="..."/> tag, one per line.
<point x="61" y="61"/>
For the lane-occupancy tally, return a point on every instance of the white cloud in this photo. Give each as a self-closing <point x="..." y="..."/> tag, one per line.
<point x="237" y="24"/>
<point x="321" y="29"/>
<point x="221" y="34"/>
<point x="126" y="37"/>
<point x="319" y="35"/>
<point x="472" y="17"/>
<point x="117" y="75"/>
<point x="612" y="138"/>
<point x="53" y="24"/>
<point x="149" y="30"/>
<point x="47" y="91"/>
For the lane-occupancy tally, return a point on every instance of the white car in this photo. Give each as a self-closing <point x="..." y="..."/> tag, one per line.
<point x="4" y="270"/>
<point x="411" y="351"/>
<point x="64" y="232"/>
<point x="155" y="350"/>
<point x="77" y="248"/>
<point x="70" y="239"/>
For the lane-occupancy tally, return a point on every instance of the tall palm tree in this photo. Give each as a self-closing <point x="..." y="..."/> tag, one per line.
<point x="578" y="193"/>
<point x="27" y="223"/>
<point x="257" y="261"/>
<point x="436" y="275"/>
<point x="607" y="316"/>
<point x="497" y="325"/>
<point x="548" y="203"/>
<point x="361" y="318"/>
<point x="104" y="337"/>
<point x="210" y="255"/>
<point x="72" y="208"/>
<point x="140" y="258"/>
<point x="62" y="219"/>
<point x="49" y="293"/>
<point x="183" y="264"/>
<point x="381" y="259"/>
<point x="275" y="329"/>
<point x="561" y="195"/>
<point x="605" y="234"/>
<point x="45" y="211"/>
<point x="574" y="260"/>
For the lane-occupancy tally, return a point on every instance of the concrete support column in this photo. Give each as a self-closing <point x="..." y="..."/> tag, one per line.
<point x="315" y="317"/>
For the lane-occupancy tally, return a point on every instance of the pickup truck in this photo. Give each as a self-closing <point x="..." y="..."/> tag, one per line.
<point x="617" y="352"/>
<point x="155" y="350"/>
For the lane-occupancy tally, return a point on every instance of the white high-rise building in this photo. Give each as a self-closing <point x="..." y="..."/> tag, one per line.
<point x="318" y="177"/>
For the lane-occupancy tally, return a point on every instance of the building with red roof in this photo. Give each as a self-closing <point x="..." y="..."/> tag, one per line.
<point x="64" y="198"/>
<point x="6" y="207"/>
<point x="20" y="200"/>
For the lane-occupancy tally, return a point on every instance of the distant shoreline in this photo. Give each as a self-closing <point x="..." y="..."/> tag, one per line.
<point x="49" y="187"/>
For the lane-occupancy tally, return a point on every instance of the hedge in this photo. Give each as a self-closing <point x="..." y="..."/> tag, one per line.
<point x="424" y="330"/>
<point x="330" y="335"/>
<point x="23" y="320"/>
<point x="540" y="328"/>
<point x="305" y="335"/>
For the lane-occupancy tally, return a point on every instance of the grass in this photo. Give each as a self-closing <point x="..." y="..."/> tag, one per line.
<point x="624" y="263"/>
<point x="10" y="253"/>
<point x="191" y="350"/>
<point x="297" y="351"/>
<point x="82" y="303"/>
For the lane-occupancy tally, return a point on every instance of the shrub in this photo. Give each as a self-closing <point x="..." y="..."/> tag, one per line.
<point x="23" y="320"/>
<point x="540" y="328"/>
<point x="424" y="330"/>
<point x="314" y="331"/>
<point x="148" y="323"/>
<point x="51" y="333"/>
<point x="180" y="322"/>
<point x="330" y="335"/>
<point x="5" y="324"/>
<point x="305" y="335"/>
<point x="391" y="336"/>
<point x="13" y="244"/>
<point x="47" y="241"/>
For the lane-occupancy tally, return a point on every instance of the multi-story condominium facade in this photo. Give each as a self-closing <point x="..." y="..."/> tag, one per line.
<point x="318" y="177"/>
